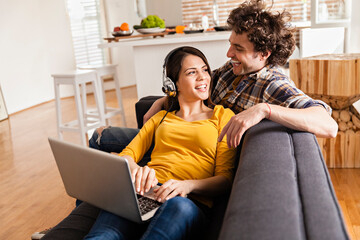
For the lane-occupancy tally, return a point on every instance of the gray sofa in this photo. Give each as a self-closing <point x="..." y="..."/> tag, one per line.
<point x="281" y="190"/>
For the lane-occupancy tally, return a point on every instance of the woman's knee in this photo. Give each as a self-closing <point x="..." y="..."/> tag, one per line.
<point x="112" y="227"/>
<point x="177" y="218"/>
<point x="183" y="207"/>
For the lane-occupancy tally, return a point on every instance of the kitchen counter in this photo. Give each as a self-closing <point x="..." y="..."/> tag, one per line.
<point x="146" y="56"/>
<point x="170" y="39"/>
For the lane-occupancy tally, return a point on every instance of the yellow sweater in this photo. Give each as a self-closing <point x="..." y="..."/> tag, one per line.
<point x="185" y="150"/>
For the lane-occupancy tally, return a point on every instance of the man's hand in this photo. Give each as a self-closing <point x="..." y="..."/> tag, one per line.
<point x="155" y="108"/>
<point x="172" y="188"/>
<point x="241" y="122"/>
<point x="144" y="179"/>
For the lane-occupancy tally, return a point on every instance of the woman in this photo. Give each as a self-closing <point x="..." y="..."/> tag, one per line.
<point x="187" y="160"/>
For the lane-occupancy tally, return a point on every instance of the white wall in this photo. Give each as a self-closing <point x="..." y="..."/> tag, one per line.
<point x="35" y="42"/>
<point x="355" y="27"/>
<point x="316" y="41"/>
<point x="170" y="11"/>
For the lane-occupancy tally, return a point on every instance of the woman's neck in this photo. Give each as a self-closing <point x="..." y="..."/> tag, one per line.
<point x="194" y="111"/>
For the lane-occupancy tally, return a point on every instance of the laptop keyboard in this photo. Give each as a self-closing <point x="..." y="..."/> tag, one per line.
<point x="147" y="204"/>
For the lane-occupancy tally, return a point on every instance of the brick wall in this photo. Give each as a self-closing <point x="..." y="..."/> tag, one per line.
<point x="192" y="10"/>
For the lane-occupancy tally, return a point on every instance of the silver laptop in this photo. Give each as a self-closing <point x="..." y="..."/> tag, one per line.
<point x="101" y="179"/>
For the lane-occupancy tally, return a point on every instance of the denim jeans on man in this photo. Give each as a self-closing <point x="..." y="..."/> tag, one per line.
<point x="112" y="139"/>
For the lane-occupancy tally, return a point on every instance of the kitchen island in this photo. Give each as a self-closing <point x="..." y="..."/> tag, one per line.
<point x="145" y="56"/>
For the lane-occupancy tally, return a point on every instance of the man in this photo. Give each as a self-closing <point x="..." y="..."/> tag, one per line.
<point x="253" y="86"/>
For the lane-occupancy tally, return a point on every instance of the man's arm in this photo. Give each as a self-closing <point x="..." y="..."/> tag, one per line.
<point x="313" y="119"/>
<point x="155" y="108"/>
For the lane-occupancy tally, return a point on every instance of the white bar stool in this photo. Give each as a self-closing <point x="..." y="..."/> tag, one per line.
<point x="102" y="71"/>
<point x="84" y="122"/>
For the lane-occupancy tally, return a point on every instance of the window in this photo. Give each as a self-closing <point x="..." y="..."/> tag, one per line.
<point x="332" y="11"/>
<point x="85" y="22"/>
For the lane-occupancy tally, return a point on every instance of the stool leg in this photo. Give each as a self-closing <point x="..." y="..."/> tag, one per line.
<point x="103" y="97"/>
<point x="80" y="115"/>
<point x="58" y="109"/>
<point x="83" y="99"/>
<point x="119" y="98"/>
<point x="98" y="101"/>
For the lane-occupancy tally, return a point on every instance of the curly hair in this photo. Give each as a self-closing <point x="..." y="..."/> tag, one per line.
<point x="267" y="30"/>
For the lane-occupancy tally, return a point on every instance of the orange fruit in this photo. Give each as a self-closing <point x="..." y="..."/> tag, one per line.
<point x="179" y="29"/>
<point x="124" y="27"/>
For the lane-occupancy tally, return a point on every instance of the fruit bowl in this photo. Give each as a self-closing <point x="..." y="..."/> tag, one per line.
<point x="150" y="30"/>
<point x="122" y="33"/>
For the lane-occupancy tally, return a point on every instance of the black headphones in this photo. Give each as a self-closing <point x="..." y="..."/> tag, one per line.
<point x="169" y="87"/>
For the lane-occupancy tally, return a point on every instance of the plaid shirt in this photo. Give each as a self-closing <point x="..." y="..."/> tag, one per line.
<point x="269" y="85"/>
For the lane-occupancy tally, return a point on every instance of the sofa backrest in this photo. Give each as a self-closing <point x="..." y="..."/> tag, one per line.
<point x="282" y="189"/>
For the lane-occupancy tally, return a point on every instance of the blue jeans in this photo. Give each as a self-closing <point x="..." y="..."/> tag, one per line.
<point x="177" y="218"/>
<point x="112" y="139"/>
<point x="115" y="139"/>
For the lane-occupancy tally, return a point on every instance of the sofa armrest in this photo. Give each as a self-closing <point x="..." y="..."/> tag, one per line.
<point x="282" y="189"/>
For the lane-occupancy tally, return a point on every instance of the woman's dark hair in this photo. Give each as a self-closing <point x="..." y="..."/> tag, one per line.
<point x="173" y="66"/>
<point x="268" y="31"/>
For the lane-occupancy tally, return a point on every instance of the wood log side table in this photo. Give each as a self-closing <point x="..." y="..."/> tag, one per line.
<point x="335" y="79"/>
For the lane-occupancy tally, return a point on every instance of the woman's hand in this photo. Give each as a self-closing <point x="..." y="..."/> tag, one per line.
<point x="144" y="179"/>
<point x="172" y="188"/>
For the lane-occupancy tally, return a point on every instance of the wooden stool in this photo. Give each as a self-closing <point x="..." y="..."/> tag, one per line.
<point x="84" y="122"/>
<point x="334" y="79"/>
<point x="102" y="71"/>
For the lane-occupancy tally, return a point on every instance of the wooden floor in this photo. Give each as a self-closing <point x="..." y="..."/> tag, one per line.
<point x="32" y="196"/>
